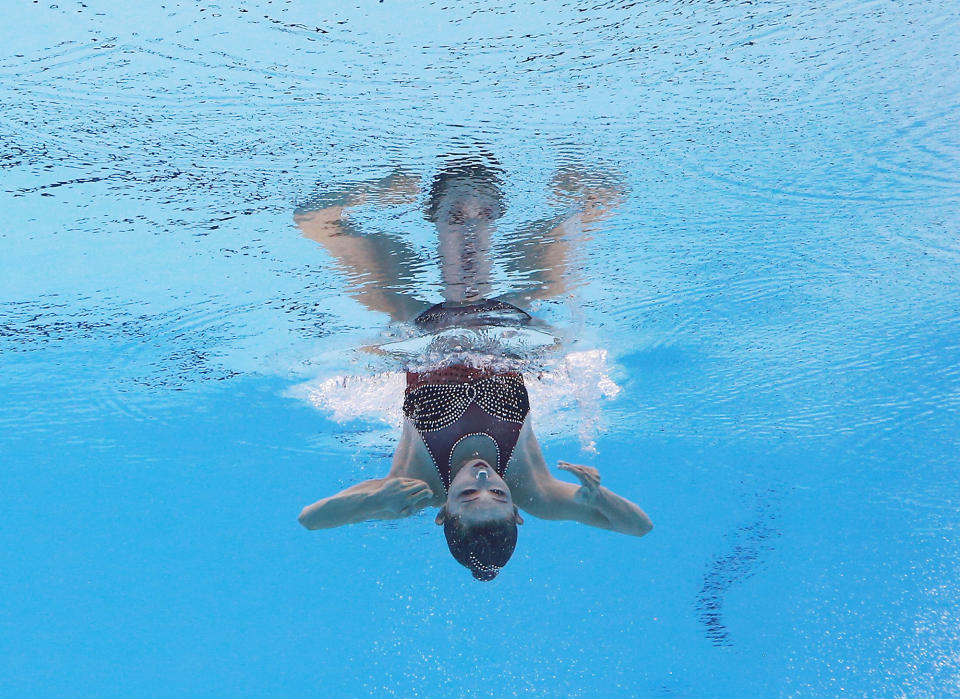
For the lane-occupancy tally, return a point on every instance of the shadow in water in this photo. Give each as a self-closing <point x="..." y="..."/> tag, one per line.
<point x="749" y="545"/>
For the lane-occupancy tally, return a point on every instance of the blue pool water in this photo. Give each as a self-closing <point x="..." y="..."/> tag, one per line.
<point x="760" y="346"/>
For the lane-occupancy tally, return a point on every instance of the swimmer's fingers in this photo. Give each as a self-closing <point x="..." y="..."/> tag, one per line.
<point x="578" y="184"/>
<point x="398" y="494"/>
<point x="399" y="187"/>
<point x="405" y="486"/>
<point x="588" y="476"/>
<point x="417" y="491"/>
<point x="417" y="500"/>
<point x="420" y="494"/>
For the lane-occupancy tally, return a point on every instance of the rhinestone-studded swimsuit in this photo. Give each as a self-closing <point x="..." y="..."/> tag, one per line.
<point x="451" y="404"/>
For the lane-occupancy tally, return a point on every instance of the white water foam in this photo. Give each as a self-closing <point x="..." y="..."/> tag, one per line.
<point x="565" y="396"/>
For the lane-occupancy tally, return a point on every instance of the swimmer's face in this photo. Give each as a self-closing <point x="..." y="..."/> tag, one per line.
<point x="463" y="202"/>
<point x="478" y="494"/>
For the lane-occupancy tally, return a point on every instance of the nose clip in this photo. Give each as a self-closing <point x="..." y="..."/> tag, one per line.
<point x="482" y="476"/>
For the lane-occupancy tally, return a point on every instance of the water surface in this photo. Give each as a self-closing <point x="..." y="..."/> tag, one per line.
<point x="774" y="299"/>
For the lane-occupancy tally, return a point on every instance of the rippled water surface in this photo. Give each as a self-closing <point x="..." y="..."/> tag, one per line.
<point x="759" y="344"/>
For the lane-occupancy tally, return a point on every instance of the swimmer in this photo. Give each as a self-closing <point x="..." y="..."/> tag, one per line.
<point x="467" y="445"/>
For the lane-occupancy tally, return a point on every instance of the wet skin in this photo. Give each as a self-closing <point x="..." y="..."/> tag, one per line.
<point x="465" y="218"/>
<point x="477" y="494"/>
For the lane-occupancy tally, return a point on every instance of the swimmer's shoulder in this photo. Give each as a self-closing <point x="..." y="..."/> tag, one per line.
<point x="526" y="461"/>
<point x="412" y="460"/>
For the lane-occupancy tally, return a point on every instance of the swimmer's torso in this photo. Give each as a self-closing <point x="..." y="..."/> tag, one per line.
<point x="447" y="405"/>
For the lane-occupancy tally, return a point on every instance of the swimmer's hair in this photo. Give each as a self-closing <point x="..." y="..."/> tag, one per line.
<point x="481" y="171"/>
<point x="484" y="548"/>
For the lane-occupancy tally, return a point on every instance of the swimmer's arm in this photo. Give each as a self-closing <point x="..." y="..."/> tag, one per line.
<point x="545" y="252"/>
<point x="322" y="217"/>
<point x="546" y="497"/>
<point x="379" y="498"/>
<point x="540" y="254"/>
<point x="593" y="505"/>
<point x="379" y="267"/>
<point x="399" y="187"/>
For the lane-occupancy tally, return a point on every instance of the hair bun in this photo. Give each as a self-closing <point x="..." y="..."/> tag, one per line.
<point x="485" y="574"/>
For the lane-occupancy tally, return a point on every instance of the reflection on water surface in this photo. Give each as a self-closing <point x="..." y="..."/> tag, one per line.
<point x="766" y="323"/>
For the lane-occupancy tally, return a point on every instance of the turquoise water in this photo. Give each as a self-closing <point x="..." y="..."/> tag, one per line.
<point x="759" y="346"/>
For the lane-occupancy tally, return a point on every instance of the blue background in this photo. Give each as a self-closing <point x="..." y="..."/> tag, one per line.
<point x="778" y="294"/>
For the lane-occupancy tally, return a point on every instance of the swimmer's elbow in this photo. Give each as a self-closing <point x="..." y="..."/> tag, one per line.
<point x="645" y="527"/>
<point x="641" y="527"/>
<point x="306" y="520"/>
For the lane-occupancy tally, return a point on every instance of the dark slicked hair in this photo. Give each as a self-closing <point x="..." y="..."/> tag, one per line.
<point x="481" y="171"/>
<point x="484" y="548"/>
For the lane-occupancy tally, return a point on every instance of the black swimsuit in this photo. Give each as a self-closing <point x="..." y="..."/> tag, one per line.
<point x="449" y="405"/>
<point x="470" y="315"/>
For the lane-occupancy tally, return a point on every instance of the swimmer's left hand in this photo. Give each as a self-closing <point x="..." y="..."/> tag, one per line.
<point x="595" y="193"/>
<point x="587" y="475"/>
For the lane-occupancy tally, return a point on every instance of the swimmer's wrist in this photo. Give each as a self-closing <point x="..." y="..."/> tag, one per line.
<point x="368" y="505"/>
<point x="354" y="196"/>
<point x="587" y="494"/>
<point x="381" y="503"/>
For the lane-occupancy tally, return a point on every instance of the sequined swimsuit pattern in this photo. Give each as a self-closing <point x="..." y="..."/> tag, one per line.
<point x="446" y="410"/>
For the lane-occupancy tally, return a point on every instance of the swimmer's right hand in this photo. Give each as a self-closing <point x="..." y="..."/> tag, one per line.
<point x="399" y="187"/>
<point x="401" y="497"/>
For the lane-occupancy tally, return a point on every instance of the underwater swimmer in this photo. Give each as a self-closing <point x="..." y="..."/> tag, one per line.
<point x="467" y="445"/>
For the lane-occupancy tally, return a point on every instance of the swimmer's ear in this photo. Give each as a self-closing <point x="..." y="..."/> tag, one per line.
<point x="516" y="515"/>
<point x="441" y="516"/>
